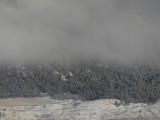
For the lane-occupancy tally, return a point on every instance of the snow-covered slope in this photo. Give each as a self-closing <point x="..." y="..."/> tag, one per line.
<point x="104" y="109"/>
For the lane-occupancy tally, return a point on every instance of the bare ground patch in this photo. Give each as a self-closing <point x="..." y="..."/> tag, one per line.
<point x="25" y="101"/>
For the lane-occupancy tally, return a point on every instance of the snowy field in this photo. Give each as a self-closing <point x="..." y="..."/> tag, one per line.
<point x="45" y="108"/>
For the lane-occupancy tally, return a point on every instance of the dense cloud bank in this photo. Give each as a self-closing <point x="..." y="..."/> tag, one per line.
<point x="111" y="30"/>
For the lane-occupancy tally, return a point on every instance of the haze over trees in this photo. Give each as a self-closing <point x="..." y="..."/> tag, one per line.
<point x="124" y="32"/>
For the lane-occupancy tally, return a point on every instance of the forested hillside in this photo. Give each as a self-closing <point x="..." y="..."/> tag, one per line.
<point x="81" y="80"/>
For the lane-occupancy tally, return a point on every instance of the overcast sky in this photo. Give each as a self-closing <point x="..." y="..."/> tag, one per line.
<point x="111" y="30"/>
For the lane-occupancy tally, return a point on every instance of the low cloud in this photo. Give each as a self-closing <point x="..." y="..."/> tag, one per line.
<point x="111" y="30"/>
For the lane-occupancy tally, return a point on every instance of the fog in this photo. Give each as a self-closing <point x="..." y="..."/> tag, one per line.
<point x="124" y="31"/>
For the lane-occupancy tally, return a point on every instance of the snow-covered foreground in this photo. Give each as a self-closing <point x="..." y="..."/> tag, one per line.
<point x="49" y="109"/>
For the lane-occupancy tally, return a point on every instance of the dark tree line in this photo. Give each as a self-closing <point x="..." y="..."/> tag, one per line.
<point x="88" y="81"/>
